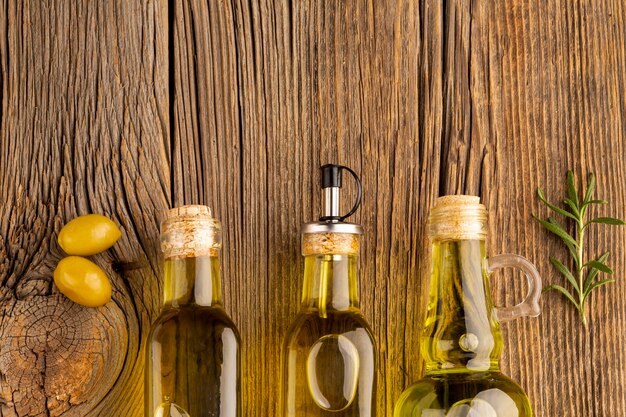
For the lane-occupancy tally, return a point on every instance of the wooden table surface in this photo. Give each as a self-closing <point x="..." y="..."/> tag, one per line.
<point x="128" y="108"/>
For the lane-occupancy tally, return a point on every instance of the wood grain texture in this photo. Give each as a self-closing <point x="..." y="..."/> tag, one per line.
<point x="127" y="108"/>
<point x="84" y="107"/>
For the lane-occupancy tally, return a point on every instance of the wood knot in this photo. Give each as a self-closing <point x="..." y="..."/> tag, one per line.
<point x="55" y="354"/>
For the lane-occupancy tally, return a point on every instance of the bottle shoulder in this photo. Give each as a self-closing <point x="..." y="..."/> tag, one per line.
<point x="208" y="316"/>
<point x="341" y="318"/>
<point x="309" y="326"/>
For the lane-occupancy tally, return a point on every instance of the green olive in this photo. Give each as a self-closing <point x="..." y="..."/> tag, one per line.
<point x="89" y="234"/>
<point x="82" y="281"/>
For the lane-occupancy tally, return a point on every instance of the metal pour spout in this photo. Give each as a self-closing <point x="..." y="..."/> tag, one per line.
<point x="332" y="221"/>
<point x="331" y="184"/>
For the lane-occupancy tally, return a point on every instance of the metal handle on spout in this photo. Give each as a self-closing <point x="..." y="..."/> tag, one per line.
<point x="331" y="183"/>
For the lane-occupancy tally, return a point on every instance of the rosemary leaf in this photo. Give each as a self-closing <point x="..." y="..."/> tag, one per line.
<point x="591" y="186"/>
<point x="553" y="207"/>
<point x="557" y="230"/>
<point x="555" y="287"/>
<point x="599" y="266"/>
<point x="572" y="193"/>
<point x="596" y="202"/>
<point x="607" y="220"/>
<point x="599" y="283"/>
<point x="574" y="206"/>
<point x="573" y="250"/>
<point x="593" y="272"/>
<point x="566" y="272"/>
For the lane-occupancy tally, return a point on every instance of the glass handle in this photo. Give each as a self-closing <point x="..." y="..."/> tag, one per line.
<point x="530" y="305"/>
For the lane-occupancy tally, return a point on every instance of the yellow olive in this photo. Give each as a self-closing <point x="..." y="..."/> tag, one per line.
<point x="89" y="234"/>
<point x="82" y="281"/>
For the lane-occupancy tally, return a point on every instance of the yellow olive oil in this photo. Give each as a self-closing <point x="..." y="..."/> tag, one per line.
<point x="461" y="344"/>
<point x="461" y="340"/>
<point x="329" y="364"/>
<point x="192" y="358"/>
<point x="460" y="333"/>
<point x="490" y="394"/>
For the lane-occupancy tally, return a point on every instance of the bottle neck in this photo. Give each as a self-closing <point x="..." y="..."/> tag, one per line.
<point x="461" y="333"/>
<point x="192" y="280"/>
<point x="330" y="283"/>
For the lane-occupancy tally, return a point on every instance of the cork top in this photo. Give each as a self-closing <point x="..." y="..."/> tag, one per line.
<point x="457" y="200"/>
<point x="458" y="217"/>
<point x="190" y="231"/>
<point x="330" y="243"/>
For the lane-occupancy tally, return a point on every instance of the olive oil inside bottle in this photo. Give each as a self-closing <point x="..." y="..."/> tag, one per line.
<point x="489" y="394"/>
<point x="329" y="356"/>
<point x="461" y="333"/>
<point x="331" y="341"/>
<point x="193" y="356"/>
<point x="461" y="339"/>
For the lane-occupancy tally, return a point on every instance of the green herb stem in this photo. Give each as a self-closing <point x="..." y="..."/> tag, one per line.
<point x="581" y="275"/>
<point x="576" y="209"/>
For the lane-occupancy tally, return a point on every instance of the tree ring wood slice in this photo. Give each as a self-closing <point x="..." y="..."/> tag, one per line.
<point x="78" y="354"/>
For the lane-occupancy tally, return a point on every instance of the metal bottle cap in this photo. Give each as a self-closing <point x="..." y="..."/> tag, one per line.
<point x="331" y="235"/>
<point x="332" y="227"/>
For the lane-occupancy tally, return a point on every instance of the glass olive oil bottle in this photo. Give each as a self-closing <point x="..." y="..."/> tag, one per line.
<point x="461" y="341"/>
<point x="329" y="356"/>
<point x="192" y="360"/>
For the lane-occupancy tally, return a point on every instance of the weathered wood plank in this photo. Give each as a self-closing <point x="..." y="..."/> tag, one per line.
<point x="84" y="106"/>
<point x="546" y="88"/>
<point x="307" y="95"/>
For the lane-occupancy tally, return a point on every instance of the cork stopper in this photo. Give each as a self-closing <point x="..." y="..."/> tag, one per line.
<point x="190" y="231"/>
<point x="458" y="217"/>
<point x="330" y="244"/>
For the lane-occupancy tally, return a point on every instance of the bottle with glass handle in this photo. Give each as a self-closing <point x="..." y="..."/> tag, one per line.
<point x="329" y="356"/>
<point x="461" y="341"/>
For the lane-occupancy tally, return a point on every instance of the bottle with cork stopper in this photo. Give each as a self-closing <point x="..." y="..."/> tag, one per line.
<point x="192" y="352"/>
<point x="329" y="355"/>
<point x="461" y="340"/>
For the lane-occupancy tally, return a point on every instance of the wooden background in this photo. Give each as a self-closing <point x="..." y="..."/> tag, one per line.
<point x="128" y="107"/>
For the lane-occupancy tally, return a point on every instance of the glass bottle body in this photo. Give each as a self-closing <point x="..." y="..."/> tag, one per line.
<point x="473" y="394"/>
<point x="329" y="364"/>
<point x="192" y="359"/>
<point x="461" y="343"/>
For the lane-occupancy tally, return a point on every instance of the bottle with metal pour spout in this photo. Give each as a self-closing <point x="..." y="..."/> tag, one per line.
<point x="329" y="356"/>
<point x="461" y="341"/>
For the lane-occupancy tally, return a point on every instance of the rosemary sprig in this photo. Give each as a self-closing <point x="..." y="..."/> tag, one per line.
<point x="576" y="209"/>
